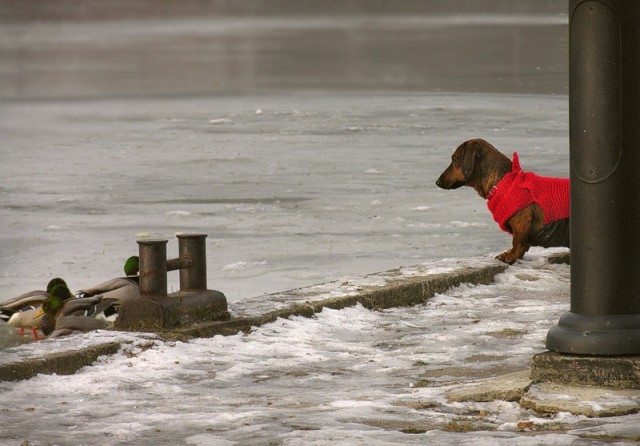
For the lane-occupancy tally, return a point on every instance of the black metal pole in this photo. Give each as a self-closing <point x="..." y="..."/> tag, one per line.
<point x="604" y="127"/>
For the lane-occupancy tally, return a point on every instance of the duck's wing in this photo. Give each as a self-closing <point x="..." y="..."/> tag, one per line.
<point x="29" y="298"/>
<point x="105" y="309"/>
<point x="77" y="307"/>
<point x="79" y="323"/>
<point x="106" y="287"/>
<point x="24" y="302"/>
<point x="124" y="293"/>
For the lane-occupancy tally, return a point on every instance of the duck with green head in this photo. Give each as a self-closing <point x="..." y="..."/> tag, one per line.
<point x="95" y="307"/>
<point x="21" y="312"/>
<point x="51" y="307"/>
<point x="120" y="288"/>
<point x="61" y="311"/>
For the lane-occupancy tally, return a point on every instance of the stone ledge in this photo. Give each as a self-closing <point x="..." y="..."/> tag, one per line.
<point x="65" y="363"/>
<point x="388" y="289"/>
<point x="398" y="292"/>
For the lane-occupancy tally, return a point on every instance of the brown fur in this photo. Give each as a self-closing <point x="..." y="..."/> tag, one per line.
<point x="478" y="164"/>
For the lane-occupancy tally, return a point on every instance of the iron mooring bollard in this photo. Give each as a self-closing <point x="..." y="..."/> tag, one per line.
<point x="194" y="303"/>
<point x="193" y="258"/>
<point x="153" y="267"/>
<point x="604" y="113"/>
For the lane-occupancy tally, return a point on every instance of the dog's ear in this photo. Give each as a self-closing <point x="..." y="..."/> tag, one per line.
<point x="472" y="153"/>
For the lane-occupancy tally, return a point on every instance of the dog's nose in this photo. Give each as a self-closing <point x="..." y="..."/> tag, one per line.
<point x="439" y="182"/>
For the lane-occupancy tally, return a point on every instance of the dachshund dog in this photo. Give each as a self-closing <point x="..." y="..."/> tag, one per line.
<point x="534" y="209"/>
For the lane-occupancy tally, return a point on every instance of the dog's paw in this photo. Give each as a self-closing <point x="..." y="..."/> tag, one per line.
<point x="507" y="257"/>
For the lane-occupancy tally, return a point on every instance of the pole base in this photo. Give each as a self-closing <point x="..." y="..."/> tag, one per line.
<point x="602" y="335"/>
<point x="616" y="372"/>
<point x="177" y="310"/>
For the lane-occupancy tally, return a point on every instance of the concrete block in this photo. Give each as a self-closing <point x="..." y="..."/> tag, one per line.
<point x="181" y="309"/>
<point x="619" y="372"/>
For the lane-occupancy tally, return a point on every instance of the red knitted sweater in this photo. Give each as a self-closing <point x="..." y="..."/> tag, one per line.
<point x="518" y="189"/>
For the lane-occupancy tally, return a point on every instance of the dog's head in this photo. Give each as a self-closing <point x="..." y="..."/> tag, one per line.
<point x="474" y="163"/>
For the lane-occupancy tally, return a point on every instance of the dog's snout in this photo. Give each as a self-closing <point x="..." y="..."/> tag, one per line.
<point x="443" y="181"/>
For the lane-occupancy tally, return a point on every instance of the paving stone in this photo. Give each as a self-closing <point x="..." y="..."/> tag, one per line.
<point x="581" y="400"/>
<point x="509" y="387"/>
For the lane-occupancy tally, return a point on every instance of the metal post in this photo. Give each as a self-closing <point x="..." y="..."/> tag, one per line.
<point x="194" y="303"/>
<point x="604" y="107"/>
<point x="193" y="247"/>
<point x="153" y="267"/>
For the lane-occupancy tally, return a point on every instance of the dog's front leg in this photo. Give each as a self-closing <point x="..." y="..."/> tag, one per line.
<point x="516" y="252"/>
<point x="520" y="224"/>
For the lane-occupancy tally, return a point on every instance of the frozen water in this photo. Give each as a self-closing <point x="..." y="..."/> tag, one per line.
<point x="289" y="196"/>
<point x="293" y="188"/>
<point x="465" y="46"/>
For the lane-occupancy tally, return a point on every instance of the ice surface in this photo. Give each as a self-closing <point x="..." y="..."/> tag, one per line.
<point x="290" y="196"/>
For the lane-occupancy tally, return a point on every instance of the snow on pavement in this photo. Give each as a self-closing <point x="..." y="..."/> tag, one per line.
<point x="350" y="376"/>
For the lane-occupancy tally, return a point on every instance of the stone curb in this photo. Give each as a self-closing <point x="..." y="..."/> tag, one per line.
<point x="397" y="290"/>
<point x="398" y="293"/>
<point x="65" y="363"/>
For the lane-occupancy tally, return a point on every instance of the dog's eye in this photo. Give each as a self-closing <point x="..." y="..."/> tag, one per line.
<point x="454" y="159"/>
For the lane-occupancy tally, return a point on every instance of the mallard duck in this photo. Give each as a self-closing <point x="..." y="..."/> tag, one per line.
<point x="55" y="298"/>
<point x="95" y="307"/>
<point x="114" y="292"/>
<point x="21" y="312"/>
<point x="60" y="312"/>
<point x="120" y="288"/>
